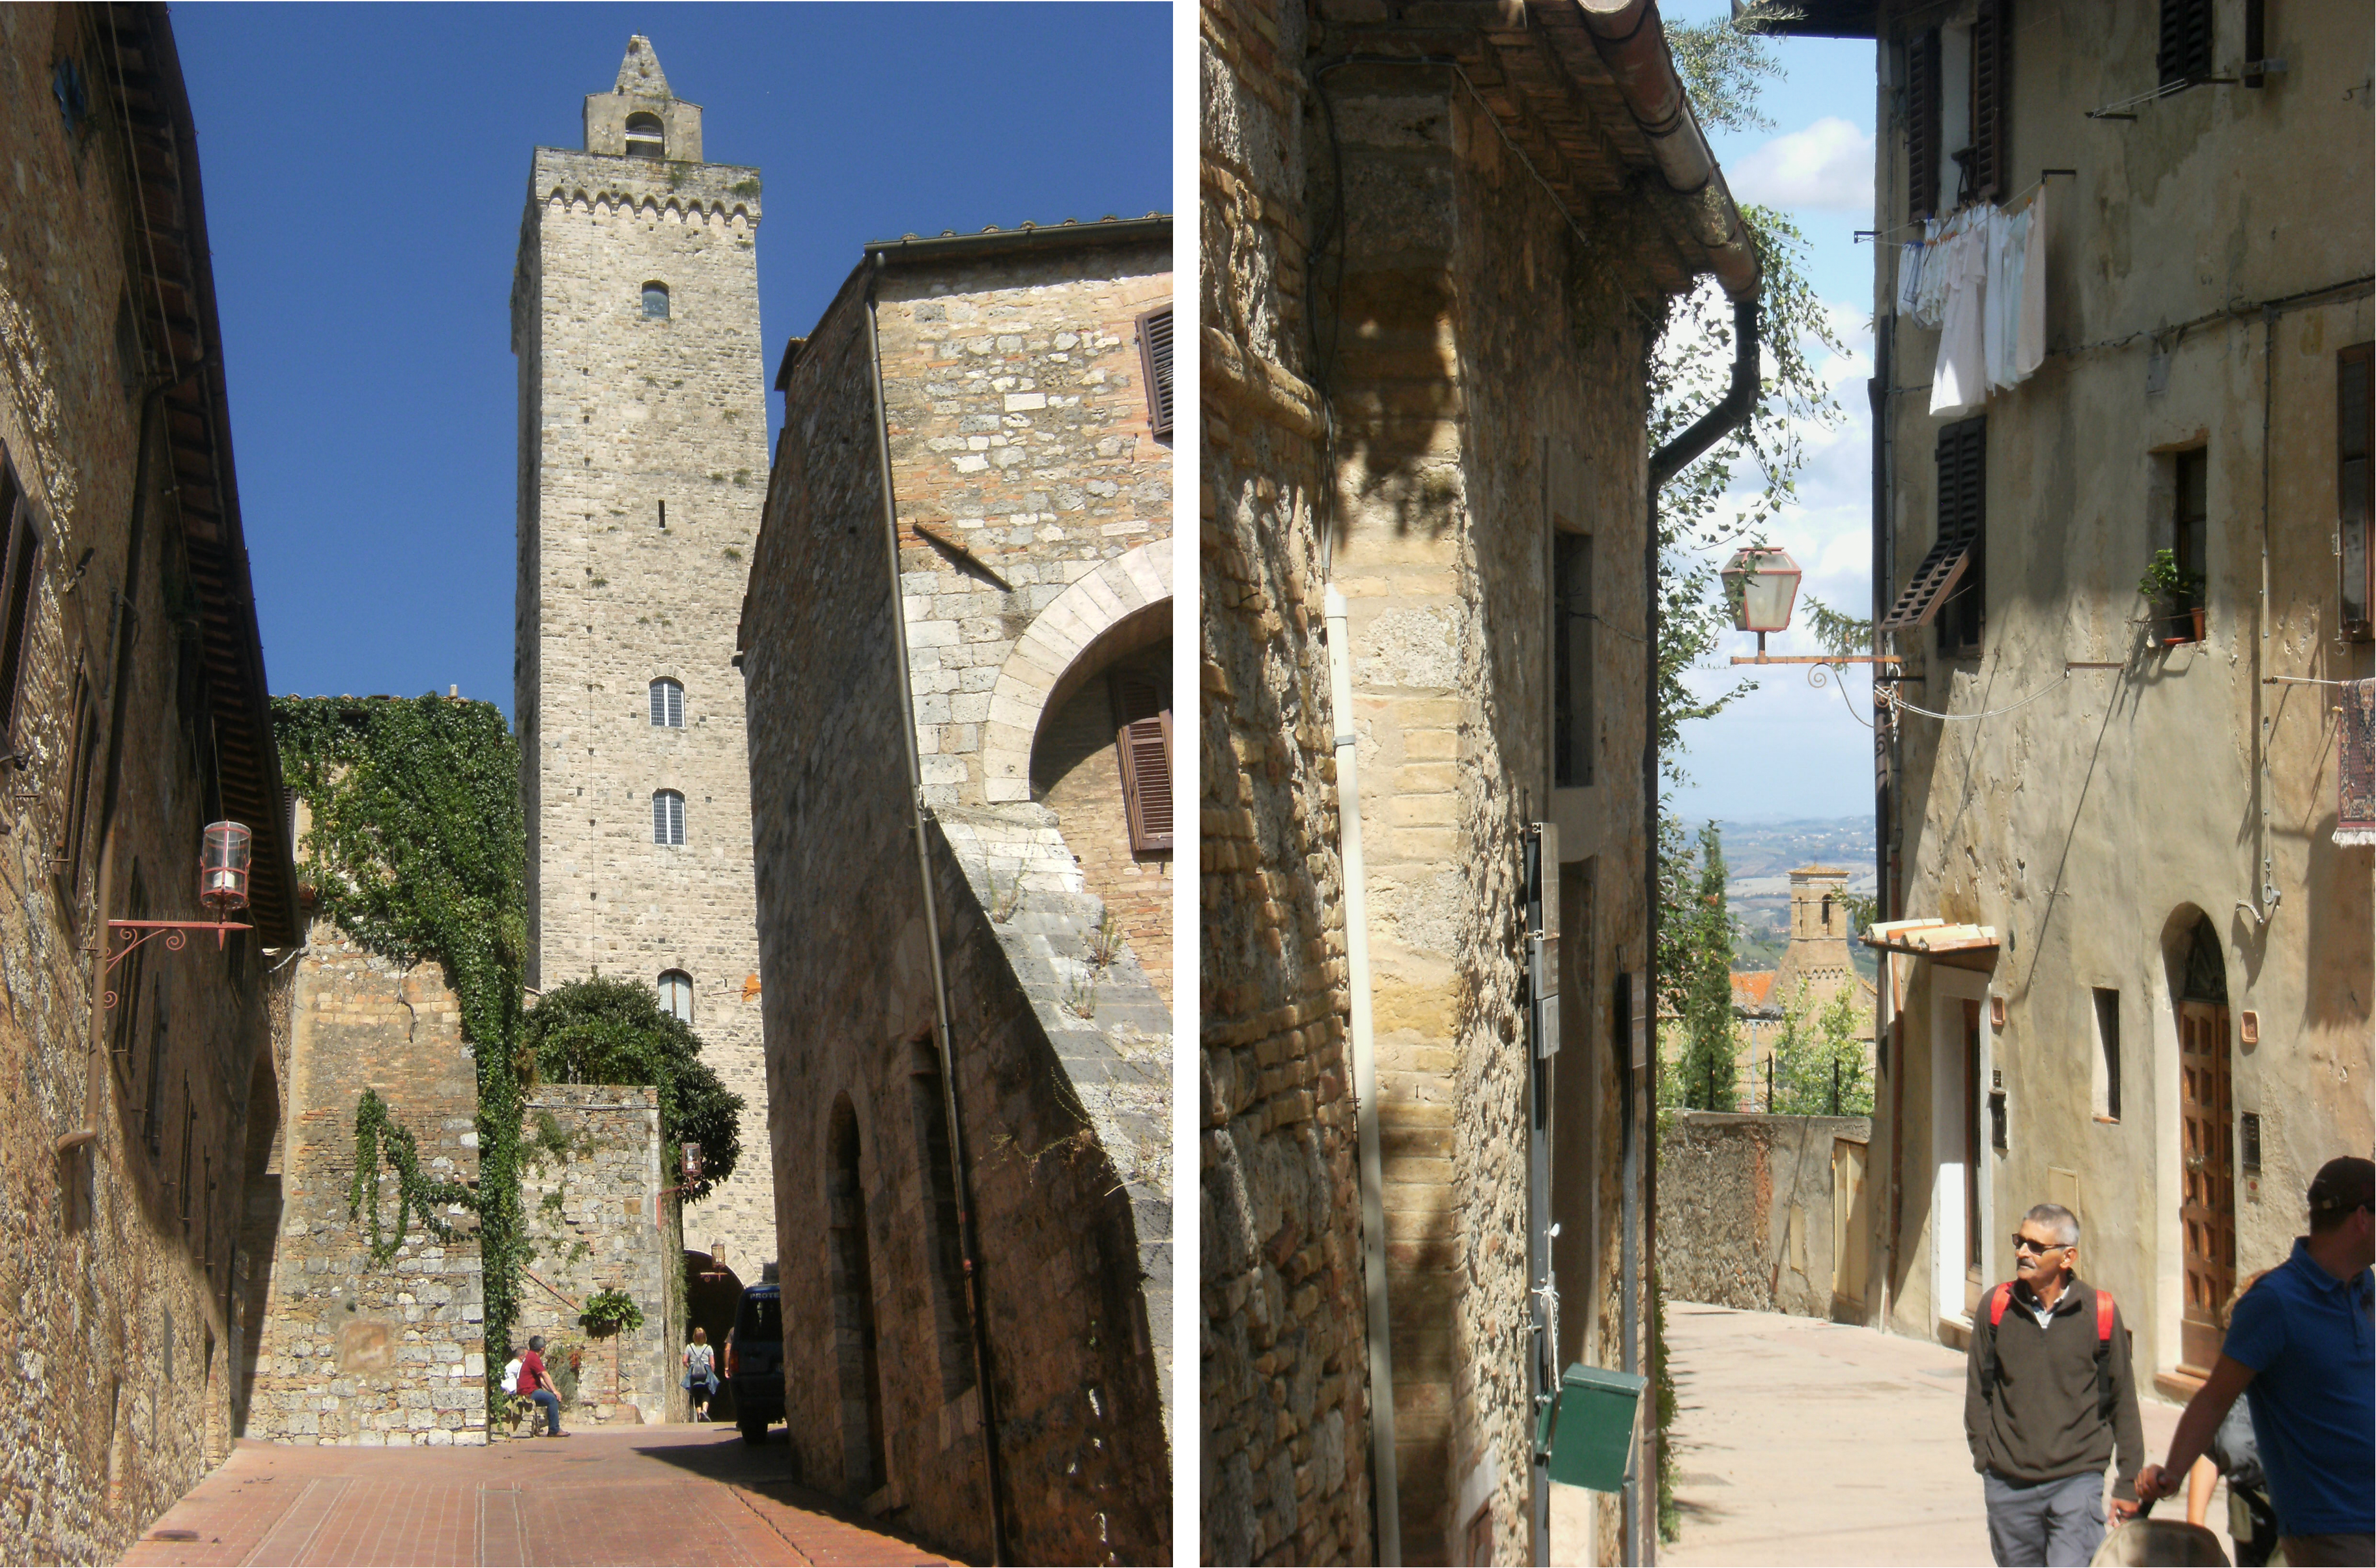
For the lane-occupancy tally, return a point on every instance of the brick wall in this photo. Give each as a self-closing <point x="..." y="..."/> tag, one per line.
<point x="351" y="1351"/>
<point x="1073" y="1210"/>
<point x="123" y="1328"/>
<point x="1285" y="1473"/>
<point x="590" y="1200"/>
<point x="621" y="415"/>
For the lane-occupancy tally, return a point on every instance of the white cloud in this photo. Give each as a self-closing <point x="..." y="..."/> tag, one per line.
<point x="1828" y="166"/>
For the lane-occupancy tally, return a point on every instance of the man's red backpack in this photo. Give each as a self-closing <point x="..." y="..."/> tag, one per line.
<point x="2105" y="1400"/>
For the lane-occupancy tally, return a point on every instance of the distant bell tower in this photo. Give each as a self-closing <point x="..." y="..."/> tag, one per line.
<point x="643" y="465"/>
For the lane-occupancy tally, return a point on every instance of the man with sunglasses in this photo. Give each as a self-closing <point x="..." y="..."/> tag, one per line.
<point x="2047" y="1395"/>
<point x="2301" y="1349"/>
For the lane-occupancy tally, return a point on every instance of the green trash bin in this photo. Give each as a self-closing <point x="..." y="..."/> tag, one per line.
<point x="1586" y="1434"/>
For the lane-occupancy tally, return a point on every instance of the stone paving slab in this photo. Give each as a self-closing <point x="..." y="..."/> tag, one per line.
<point x="692" y="1494"/>
<point x="1803" y="1441"/>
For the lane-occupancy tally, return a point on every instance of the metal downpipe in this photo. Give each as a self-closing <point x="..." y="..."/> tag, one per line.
<point x="1385" y="1489"/>
<point x="968" y="1237"/>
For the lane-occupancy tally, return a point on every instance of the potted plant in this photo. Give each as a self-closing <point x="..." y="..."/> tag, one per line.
<point x="2178" y="595"/>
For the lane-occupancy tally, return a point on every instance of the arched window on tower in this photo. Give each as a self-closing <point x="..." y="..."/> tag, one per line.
<point x="645" y="136"/>
<point x="676" y="996"/>
<point x="655" y="302"/>
<point x="668" y="704"/>
<point x="668" y="818"/>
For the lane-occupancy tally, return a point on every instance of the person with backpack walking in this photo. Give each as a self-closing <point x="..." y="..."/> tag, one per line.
<point x="2049" y="1398"/>
<point x="2301" y="1349"/>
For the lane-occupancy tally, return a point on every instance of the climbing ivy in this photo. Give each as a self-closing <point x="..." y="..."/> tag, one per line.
<point x="416" y="850"/>
<point x="415" y="1193"/>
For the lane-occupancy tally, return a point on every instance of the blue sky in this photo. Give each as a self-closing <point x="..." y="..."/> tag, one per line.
<point x="1787" y="750"/>
<point x="364" y="169"/>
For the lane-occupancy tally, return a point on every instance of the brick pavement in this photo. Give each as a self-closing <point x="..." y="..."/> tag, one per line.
<point x="683" y="1494"/>
<point x="1803" y="1441"/>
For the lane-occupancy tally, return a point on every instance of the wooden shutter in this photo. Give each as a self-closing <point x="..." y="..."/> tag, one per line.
<point x="1155" y="364"/>
<point x="1991" y="99"/>
<point x="1930" y="584"/>
<point x="1922" y="130"/>
<point x="1142" y="746"/>
<point x="2185" y="54"/>
<point x="1962" y="515"/>
<point x="19" y="564"/>
<point x="2355" y="410"/>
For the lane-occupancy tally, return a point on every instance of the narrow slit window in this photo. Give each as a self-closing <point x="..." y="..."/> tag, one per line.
<point x="676" y="995"/>
<point x="668" y="704"/>
<point x="645" y="137"/>
<point x="17" y="576"/>
<point x="2190" y="538"/>
<point x="668" y="818"/>
<point x="655" y="302"/>
<point x="1572" y="657"/>
<point x="2108" y="1055"/>
<point x="2355" y="410"/>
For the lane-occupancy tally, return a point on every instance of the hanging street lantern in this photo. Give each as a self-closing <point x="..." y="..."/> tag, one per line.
<point x="689" y="1163"/>
<point x="1761" y="583"/>
<point x="226" y="850"/>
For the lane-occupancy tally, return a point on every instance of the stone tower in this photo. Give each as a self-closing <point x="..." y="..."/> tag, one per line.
<point x="1818" y="951"/>
<point x="643" y="467"/>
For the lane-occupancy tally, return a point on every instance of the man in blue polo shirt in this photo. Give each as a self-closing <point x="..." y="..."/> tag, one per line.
<point x="2302" y="1348"/>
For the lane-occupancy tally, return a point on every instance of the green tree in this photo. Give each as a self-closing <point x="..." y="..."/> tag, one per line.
<point x="1819" y="1068"/>
<point x="612" y="1031"/>
<point x="1707" y="1065"/>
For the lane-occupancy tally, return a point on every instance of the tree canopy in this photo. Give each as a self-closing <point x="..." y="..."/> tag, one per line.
<point x="612" y="1031"/>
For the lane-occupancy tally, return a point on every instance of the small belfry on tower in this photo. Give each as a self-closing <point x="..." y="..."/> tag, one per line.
<point x="639" y="117"/>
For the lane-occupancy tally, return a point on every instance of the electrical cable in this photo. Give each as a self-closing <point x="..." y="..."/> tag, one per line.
<point x="1898" y="701"/>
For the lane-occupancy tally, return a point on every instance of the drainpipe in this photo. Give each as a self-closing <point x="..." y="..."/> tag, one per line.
<point x="1638" y="1144"/>
<point x="1382" y="1483"/>
<point x="968" y="1236"/>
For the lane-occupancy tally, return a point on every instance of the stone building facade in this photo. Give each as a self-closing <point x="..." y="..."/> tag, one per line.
<point x="347" y="1352"/>
<point x="643" y="462"/>
<point x="136" y="1092"/>
<point x="1443" y="421"/>
<point x="2147" y="996"/>
<point x="941" y="882"/>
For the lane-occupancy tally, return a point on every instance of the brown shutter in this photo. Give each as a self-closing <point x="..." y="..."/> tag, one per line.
<point x="2185" y="54"/>
<point x="2355" y="410"/>
<point x="1143" y="745"/>
<point x="1991" y="99"/>
<point x="1922" y="123"/>
<point x="1155" y="364"/>
<point x="1962" y="515"/>
<point x="1962" y="456"/>
<point x="1938" y="574"/>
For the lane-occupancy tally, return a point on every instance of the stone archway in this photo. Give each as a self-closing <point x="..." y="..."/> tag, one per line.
<point x="1132" y="590"/>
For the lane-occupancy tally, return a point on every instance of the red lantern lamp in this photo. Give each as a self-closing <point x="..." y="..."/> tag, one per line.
<point x="223" y="859"/>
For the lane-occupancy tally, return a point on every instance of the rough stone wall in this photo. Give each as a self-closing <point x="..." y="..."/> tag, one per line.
<point x="592" y="1209"/>
<point x="2093" y="826"/>
<point x="1745" y="1210"/>
<point x="354" y="1352"/>
<point x="619" y="416"/>
<point x="1072" y="1213"/>
<point x="122" y="1328"/>
<point x="1285" y="1469"/>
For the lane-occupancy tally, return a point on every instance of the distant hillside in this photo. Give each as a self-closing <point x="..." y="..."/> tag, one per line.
<point x="1758" y="860"/>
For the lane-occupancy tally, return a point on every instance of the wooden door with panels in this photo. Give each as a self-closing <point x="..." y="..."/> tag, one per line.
<point x="2206" y="1211"/>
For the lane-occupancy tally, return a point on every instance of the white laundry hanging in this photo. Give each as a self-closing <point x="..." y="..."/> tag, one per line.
<point x="2029" y="332"/>
<point x="1959" y="384"/>
<point x="1909" y="275"/>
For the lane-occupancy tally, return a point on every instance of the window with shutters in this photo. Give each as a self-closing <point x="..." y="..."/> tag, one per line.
<point x="72" y="813"/>
<point x="1141" y="711"/>
<point x="676" y="995"/>
<point x="1940" y="583"/>
<point x="122" y="1024"/>
<point x="1922" y="128"/>
<point x="1571" y="641"/>
<point x="668" y="818"/>
<point x="152" y="1104"/>
<point x="2185" y="53"/>
<point x="2355" y="410"/>
<point x="668" y="704"/>
<point x="1963" y="516"/>
<point x="1986" y="162"/>
<point x="1155" y="364"/>
<point x="18" y="571"/>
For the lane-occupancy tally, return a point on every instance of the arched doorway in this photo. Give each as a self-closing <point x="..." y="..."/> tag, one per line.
<point x="859" y="1378"/>
<point x="2206" y="1210"/>
<point x="712" y="1293"/>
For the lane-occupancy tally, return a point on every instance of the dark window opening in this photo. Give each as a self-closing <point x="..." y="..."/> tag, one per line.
<point x="2189" y="532"/>
<point x="645" y="138"/>
<point x="23" y="554"/>
<point x="2355" y="410"/>
<point x="1963" y="521"/>
<point x="853" y="1309"/>
<point x="1572" y="647"/>
<point x="67" y="852"/>
<point x="655" y="302"/>
<point x="152" y="1106"/>
<point x="122" y="1034"/>
<point x="2108" y="1038"/>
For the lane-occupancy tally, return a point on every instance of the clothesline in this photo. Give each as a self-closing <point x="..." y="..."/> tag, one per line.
<point x="1877" y="235"/>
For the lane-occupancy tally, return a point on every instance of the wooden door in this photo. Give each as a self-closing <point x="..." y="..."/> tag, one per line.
<point x="1851" y="1229"/>
<point x="2206" y="1210"/>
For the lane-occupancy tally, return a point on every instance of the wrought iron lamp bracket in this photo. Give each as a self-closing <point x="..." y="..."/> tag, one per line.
<point x="134" y="933"/>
